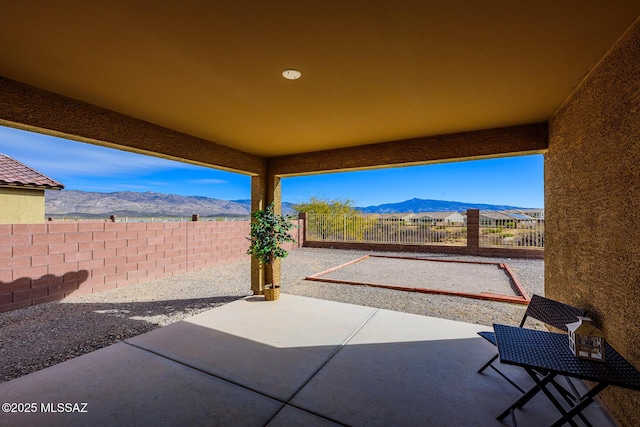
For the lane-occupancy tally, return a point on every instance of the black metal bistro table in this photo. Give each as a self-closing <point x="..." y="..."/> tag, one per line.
<point x="544" y="355"/>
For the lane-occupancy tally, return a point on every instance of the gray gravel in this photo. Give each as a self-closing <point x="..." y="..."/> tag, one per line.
<point x="36" y="337"/>
<point x="310" y="261"/>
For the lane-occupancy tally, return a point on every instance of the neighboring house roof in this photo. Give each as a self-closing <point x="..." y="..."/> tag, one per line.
<point x="538" y="213"/>
<point x="525" y="211"/>
<point x="16" y="174"/>
<point x="442" y="215"/>
<point x="521" y="217"/>
<point x="495" y="215"/>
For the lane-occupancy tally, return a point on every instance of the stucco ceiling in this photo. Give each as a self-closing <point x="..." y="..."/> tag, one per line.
<point x="372" y="70"/>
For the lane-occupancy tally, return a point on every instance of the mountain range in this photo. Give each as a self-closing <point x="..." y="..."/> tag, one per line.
<point x="429" y="205"/>
<point x="149" y="204"/>
<point x="84" y="203"/>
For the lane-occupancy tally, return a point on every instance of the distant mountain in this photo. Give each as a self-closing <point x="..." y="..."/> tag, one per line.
<point x="428" y="205"/>
<point x="128" y="203"/>
<point x="83" y="203"/>
<point x="148" y="204"/>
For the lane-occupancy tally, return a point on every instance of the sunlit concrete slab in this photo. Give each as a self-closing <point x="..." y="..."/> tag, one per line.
<point x="404" y="369"/>
<point x="124" y="386"/>
<point x="271" y="347"/>
<point x="298" y="361"/>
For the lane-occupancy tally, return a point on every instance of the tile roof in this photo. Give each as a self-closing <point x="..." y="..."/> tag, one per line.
<point x="442" y="215"/>
<point x="519" y="216"/>
<point x="495" y="215"/>
<point x="16" y="174"/>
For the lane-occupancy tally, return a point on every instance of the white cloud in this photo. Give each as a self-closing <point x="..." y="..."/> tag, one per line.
<point x="59" y="157"/>
<point x="208" y="181"/>
<point x="82" y="166"/>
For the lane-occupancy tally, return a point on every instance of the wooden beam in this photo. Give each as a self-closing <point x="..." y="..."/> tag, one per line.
<point x="501" y="142"/>
<point x="30" y="108"/>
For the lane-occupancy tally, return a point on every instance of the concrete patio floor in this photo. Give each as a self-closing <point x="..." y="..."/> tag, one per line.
<point x="298" y="361"/>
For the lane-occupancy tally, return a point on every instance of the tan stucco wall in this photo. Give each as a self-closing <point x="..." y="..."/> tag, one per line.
<point x="21" y="206"/>
<point x="592" y="208"/>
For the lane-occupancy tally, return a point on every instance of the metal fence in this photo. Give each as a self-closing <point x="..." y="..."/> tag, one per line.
<point x="513" y="234"/>
<point x="422" y="229"/>
<point x="372" y="228"/>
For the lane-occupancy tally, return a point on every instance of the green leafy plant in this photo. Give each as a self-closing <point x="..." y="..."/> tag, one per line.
<point x="319" y="205"/>
<point x="334" y="219"/>
<point x="268" y="232"/>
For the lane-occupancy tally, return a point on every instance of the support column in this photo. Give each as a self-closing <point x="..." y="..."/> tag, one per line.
<point x="265" y="189"/>
<point x="473" y="230"/>
<point x="258" y="197"/>
<point x="274" y="195"/>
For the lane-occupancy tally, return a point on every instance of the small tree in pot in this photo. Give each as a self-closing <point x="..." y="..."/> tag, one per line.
<point x="268" y="232"/>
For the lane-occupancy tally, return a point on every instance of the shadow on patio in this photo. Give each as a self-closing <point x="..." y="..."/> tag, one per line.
<point x="299" y="361"/>
<point x="76" y="328"/>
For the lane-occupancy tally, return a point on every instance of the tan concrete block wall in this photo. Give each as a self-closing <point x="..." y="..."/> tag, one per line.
<point x="592" y="205"/>
<point x="46" y="262"/>
<point x="21" y="206"/>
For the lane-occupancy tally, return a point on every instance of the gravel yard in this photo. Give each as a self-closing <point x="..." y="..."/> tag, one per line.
<point x="36" y="337"/>
<point x="426" y="273"/>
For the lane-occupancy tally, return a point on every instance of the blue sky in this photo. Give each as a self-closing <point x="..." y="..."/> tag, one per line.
<point x="516" y="181"/>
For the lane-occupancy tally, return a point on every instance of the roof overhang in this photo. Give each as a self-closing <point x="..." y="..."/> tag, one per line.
<point x="202" y="81"/>
<point x="30" y="187"/>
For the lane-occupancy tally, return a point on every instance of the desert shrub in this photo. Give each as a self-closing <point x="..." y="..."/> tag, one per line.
<point x="532" y="238"/>
<point x="492" y="230"/>
<point x="439" y="236"/>
<point x="457" y="233"/>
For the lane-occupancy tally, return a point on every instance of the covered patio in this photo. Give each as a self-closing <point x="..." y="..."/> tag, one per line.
<point x="383" y="84"/>
<point x="311" y="363"/>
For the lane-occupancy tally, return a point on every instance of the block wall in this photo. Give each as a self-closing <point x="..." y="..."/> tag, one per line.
<point x="46" y="262"/>
<point x="592" y="201"/>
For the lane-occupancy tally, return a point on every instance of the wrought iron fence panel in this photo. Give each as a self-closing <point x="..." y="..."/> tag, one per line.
<point x="513" y="234"/>
<point x="419" y="229"/>
<point x="372" y="228"/>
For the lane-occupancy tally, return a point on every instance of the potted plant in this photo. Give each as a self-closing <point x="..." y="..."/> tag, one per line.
<point x="268" y="232"/>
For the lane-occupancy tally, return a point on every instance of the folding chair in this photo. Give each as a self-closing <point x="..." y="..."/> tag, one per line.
<point x="548" y="311"/>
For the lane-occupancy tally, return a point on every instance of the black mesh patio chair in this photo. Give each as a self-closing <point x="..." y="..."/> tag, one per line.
<point x="550" y="312"/>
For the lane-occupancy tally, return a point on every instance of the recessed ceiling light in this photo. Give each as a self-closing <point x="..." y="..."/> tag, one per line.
<point x="291" y="74"/>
